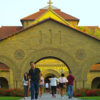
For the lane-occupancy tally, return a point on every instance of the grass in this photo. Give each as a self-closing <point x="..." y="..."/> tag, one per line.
<point x="89" y="98"/>
<point x="9" y="98"/>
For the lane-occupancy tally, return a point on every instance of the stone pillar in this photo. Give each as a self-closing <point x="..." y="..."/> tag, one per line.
<point x="11" y="83"/>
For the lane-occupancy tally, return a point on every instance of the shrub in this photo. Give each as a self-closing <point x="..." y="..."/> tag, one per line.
<point x="12" y="92"/>
<point x="86" y="92"/>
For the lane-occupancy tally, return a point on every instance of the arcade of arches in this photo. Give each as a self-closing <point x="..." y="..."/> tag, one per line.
<point x="49" y="67"/>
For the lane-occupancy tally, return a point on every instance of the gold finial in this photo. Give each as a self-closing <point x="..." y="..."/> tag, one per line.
<point x="50" y="3"/>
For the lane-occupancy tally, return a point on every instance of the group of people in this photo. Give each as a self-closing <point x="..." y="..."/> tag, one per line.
<point x="62" y="84"/>
<point x="35" y="81"/>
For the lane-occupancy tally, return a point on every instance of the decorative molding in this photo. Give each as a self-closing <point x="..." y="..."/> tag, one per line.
<point x="19" y="54"/>
<point x="40" y="41"/>
<point x="60" y="37"/>
<point x="80" y="54"/>
<point x="50" y="36"/>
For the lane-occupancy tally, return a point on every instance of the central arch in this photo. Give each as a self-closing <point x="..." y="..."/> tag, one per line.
<point x="52" y="66"/>
<point x="58" y="53"/>
<point x="51" y="57"/>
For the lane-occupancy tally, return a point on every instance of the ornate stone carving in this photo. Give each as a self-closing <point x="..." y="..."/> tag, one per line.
<point x="80" y="54"/>
<point x="60" y="37"/>
<point x="19" y="54"/>
<point x="50" y="36"/>
<point x="40" y="41"/>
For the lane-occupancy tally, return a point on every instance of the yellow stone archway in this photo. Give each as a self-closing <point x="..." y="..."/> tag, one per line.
<point x="52" y="66"/>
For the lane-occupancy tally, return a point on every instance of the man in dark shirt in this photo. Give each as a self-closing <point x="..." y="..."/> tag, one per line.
<point x="34" y="74"/>
<point x="70" y="84"/>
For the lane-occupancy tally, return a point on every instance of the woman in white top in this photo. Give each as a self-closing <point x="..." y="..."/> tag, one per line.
<point x="62" y="84"/>
<point x="53" y="82"/>
<point x="26" y="81"/>
<point x="41" y="85"/>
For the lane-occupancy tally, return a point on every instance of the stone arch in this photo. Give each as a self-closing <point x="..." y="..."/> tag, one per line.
<point x="50" y="52"/>
<point x="66" y="73"/>
<point x="50" y="71"/>
<point x="95" y="83"/>
<point x="4" y="82"/>
<point x="9" y="62"/>
<point x="51" y="57"/>
<point x="12" y="68"/>
<point x="87" y="64"/>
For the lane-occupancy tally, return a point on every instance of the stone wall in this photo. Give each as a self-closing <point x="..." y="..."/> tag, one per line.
<point x="52" y="39"/>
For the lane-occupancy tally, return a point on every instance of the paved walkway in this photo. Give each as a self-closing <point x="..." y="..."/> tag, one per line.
<point x="49" y="97"/>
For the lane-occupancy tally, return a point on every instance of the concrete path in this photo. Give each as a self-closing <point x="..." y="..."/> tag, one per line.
<point x="47" y="96"/>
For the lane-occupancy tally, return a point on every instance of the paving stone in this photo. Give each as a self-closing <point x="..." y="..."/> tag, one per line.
<point x="49" y="97"/>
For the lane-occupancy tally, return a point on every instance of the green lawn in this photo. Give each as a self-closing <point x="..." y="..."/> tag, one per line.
<point x="90" y="98"/>
<point x="10" y="98"/>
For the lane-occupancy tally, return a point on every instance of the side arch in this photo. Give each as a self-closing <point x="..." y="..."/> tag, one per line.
<point x="9" y="62"/>
<point x="4" y="83"/>
<point x="12" y="69"/>
<point x="96" y="83"/>
<point x="86" y="66"/>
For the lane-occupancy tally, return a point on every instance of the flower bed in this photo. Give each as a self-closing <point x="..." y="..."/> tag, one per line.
<point x="86" y="92"/>
<point x="12" y="92"/>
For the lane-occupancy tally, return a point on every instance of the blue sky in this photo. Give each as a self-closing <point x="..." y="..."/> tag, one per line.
<point x="88" y="11"/>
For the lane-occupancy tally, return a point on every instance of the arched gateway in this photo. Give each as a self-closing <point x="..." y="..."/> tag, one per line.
<point x="52" y="40"/>
<point x="52" y="66"/>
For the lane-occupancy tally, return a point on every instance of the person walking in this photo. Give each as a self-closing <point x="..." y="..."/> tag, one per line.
<point x="53" y="82"/>
<point x="25" y="80"/>
<point x="41" y="85"/>
<point x="71" y="79"/>
<point x="47" y="87"/>
<point x="62" y="84"/>
<point x="34" y="74"/>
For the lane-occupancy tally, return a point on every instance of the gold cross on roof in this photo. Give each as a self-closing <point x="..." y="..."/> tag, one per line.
<point x="50" y="3"/>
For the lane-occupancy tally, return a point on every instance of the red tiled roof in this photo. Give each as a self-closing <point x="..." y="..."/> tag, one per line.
<point x="58" y="11"/>
<point x="63" y="24"/>
<point x="95" y="67"/>
<point x="20" y="29"/>
<point x="6" y="31"/>
<point x="3" y="67"/>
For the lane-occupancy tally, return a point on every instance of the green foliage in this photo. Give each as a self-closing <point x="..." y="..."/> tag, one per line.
<point x="89" y="31"/>
<point x="10" y="98"/>
<point x="81" y="28"/>
<point x="97" y="33"/>
<point x="89" y="98"/>
<point x="85" y="29"/>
